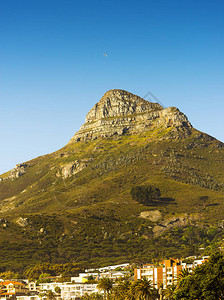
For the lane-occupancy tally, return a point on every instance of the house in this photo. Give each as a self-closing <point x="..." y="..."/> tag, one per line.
<point x="12" y="289"/>
<point x="191" y="262"/>
<point x="83" y="277"/>
<point x="115" y="274"/>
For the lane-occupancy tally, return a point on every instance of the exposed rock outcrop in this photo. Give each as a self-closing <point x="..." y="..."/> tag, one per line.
<point x="7" y="204"/>
<point x="171" y="223"/>
<point x="120" y="112"/>
<point x="23" y="222"/>
<point x="18" y="171"/>
<point x="73" y="167"/>
<point x="153" y="215"/>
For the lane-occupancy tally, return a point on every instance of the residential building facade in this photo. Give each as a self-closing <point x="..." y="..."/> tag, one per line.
<point x="165" y="274"/>
<point x="168" y="271"/>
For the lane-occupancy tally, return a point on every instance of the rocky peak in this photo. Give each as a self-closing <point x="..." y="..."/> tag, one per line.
<point x="119" y="103"/>
<point x="120" y="112"/>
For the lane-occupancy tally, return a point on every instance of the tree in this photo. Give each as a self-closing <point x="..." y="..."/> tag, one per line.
<point x="44" y="278"/>
<point x="122" y="290"/>
<point x="57" y="290"/>
<point x="183" y="274"/>
<point x="169" y="292"/>
<point x="206" y="282"/>
<point x="106" y="285"/>
<point x="50" y="295"/>
<point x="187" y="289"/>
<point x="211" y="277"/>
<point x="145" y="194"/>
<point x="203" y="200"/>
<point x="66" y="270"/>
<point x="131" y="292"/>
<point x="9" y="275"/>
<point x="161" y="291"/>
<point x="94" y="296"/>
<point x="144" y="289"/>
<point x="90" y="279"/>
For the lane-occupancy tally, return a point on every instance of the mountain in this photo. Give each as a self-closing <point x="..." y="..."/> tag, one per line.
<point x="75" y="205"/>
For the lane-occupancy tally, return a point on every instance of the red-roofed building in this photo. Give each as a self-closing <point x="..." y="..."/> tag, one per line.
<point x="10" y="289"/>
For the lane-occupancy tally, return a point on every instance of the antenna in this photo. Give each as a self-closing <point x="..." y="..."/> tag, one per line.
<point x="154" y="97"/>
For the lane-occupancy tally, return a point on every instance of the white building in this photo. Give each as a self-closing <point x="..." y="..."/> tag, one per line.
<point x="83" y="277"/>
<point x="68" y="290"/>
<point x="195" y="262"/>
<point x="75" y="291"/>
<point x="108" y="268"/>
<point x="50" y="286"/>
<point x="36" y="297"/>
<point x="114" y="274"/>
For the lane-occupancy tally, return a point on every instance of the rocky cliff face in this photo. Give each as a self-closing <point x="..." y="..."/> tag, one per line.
<point x="120" y="112"/>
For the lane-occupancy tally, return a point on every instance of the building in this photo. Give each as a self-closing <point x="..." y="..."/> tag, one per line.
<point x="75" y="291"/>
<point x="69" y="291"/>
<point x="108" y="268"/>
<point x="115" y="274"/>
<point x="83" y="277"/>
<point x="192" y="262"/>
<point x="49" y="286"/>
<point x="165" y="274"/>
<point x="12" y="289"/>
<point x="34" y="297"/>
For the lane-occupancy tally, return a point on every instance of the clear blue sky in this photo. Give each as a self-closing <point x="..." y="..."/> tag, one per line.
<point x="52" y="67"/>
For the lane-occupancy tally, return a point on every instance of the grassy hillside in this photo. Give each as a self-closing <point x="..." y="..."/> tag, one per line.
<point x="91" y="218"/>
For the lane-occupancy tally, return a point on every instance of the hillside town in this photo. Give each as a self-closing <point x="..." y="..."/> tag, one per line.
<point x="163" y="274"/>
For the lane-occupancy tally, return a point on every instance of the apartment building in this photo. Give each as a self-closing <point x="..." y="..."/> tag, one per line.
<point x="75" y="291"/>
<point x="166" y="273"/>
<point x="69" y="291"/>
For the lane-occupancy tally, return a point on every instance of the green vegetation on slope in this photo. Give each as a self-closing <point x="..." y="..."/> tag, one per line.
<point x="89" y="217"/>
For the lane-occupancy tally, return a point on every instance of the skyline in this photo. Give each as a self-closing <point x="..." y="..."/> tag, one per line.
<point x="53" y="67"/>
